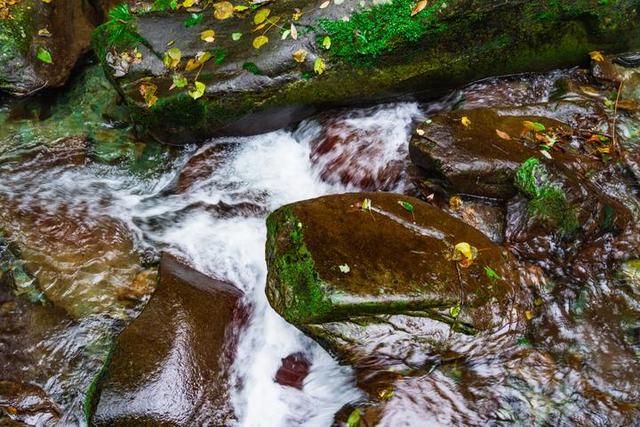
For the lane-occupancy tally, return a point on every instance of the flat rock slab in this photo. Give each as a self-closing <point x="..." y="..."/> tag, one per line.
<point x="170" y="366"/>
<point x="253" y="90"/>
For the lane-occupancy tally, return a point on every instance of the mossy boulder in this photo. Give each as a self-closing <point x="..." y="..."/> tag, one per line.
<point x="41" y="42"/>
<point x="346" y="53"/>
<point x="330" y="260"/>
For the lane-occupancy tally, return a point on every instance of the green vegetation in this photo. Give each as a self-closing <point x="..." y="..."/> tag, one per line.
<point x="305" y="300"/>
<point x="371" y="33"/>
<point x="547" y="200"/>
<point x="120" y="30"/>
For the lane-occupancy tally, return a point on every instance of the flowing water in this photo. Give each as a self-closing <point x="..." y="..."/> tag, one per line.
<point x="208" y="205"/>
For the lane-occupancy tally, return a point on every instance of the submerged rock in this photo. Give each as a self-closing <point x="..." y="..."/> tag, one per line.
<point x="252" y="82"/>
<point x="293" y="371"/>
<point x="27" y="403"/>
<point x="171" y="365"/>
<point x="41" y="42"/>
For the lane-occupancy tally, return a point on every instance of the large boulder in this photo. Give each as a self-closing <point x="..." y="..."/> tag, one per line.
<point x="171" y="365"/>
<point x="41" y="42"/>
<point x="338" y="56"/>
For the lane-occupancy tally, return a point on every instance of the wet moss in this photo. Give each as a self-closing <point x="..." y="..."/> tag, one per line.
<point x="93" y="391"/>
<point x="302" y="298"/>
<point x="15" y="37"/>
<point x="546" y="199"/>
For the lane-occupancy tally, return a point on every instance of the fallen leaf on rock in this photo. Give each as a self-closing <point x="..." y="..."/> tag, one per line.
<point x="419" y="7"/>
<point x="260" y="41"/>
<point x="198" y="91"/>
<point x="293" y="31"/>
<point x="44" y="55"/>
<point x="534" y="126"/>
<point x="344" y="268"/>
<point x="261" y="16"/>
<point x="208" y="36"/>
<point x="148" y="92"/>
<point x="503" y="135"/>
<point x="44" y="32"/>
<point x="172" y="57"/>
<point x="325" y="4"/>
<point x="455" y="203"/>
<point x="466" y="121"/>
<point x="465" y="254"/>
<point x="326" y="42"/>
<point x="406" y="205"/>
<point x="596" y="56"/>
<point x="222" y="10"/>
<point x="319" y="66"/>
<point x="300" y="55"/>
<point x="236" y="36"/>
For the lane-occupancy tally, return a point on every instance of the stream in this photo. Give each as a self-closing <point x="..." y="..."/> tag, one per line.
<point x="87" y="226"/>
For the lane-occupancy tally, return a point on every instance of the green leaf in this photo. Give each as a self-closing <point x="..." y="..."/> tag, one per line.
<point x="406" y="205"/>
<point x="193" y="20"/>
<point x="319" y="66"/>
<point x="455" y="311"/>
<point x="236" y="36"/>
<point x="354" y="419"/>
<point x="179" y="81"/>
<point x="162" y="5"/>
<point x="491" y="273"/>
<point x="44" y="55"/>
<point x="220" y="56"/>
<point x="252" y="68"/>
<point x="326" y="42"/>
<point x="198" y="91"/>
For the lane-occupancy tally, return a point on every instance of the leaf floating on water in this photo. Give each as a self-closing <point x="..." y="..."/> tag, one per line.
<point x="419" y="6"/>
<point x="597" y="56"/>
<point x="406" y="205"/>
<point x="44" y="55"/>
<point x="319" y="66"/>
<point x="354" y="419"/>
<point x="300" y="55"/>
<point x="222" y="10"/>
<point x="261" y="16"/>
<point x="208" y="36"/>
<point x="466" y="121"/>
<point x="260" y="41"/>
<point x="465" y="254"/>
<point x="198" y="90"/>
<point x="503" y="135"/>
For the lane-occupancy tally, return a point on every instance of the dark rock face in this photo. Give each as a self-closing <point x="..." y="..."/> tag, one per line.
<point x="69" y="24"/>
<point x="170" y="365"/>
<point x="256" y="90"/>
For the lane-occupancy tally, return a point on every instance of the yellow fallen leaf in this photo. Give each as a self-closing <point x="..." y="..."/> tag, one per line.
<point x="222" y="10"/>
<point x="465" y="254"/>
<point x="261" y="16"/>
<point x="455" y="203"/>
<point x="300" y="55"/>
<point x="466" y="122"/>
<point x="596" y="56"/>
<point x="172" y="57"/>
<point x="419" y="6"/>
<point x="188" y="3"/>
<point x="44" y="32"/>
<point x="208" y="36"/>
<point x="198" y="91"/>
<point x="503" y="135"/>
<point x="529" y="314"/>
<point x="148" y="92"/>
<point x="319" y="66"/>
<point x="200" y="59"/>
<point x="260" y="41"/>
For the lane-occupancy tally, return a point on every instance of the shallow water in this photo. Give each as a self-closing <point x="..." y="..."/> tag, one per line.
<point x="576" y="365"/>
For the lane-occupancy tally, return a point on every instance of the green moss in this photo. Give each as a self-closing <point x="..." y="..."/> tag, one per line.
<point x="370" y="33"/>
<point x="303" y="298"/>
<point x="91" y="395"/>
<point x="547" y="200"/>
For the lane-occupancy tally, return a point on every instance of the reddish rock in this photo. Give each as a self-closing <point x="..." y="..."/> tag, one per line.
<point x="294" y="369"/>
<point x="170" y="366"/>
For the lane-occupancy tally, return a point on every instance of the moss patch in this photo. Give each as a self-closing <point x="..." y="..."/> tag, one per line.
<point x="547" y="200"/>
<point x="302" y="297"/>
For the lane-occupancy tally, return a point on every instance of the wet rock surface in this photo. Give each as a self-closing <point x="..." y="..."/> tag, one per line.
<point x="251" y="90"/>
<point x="170" y="366"/>
<point x="41" y="42"/>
